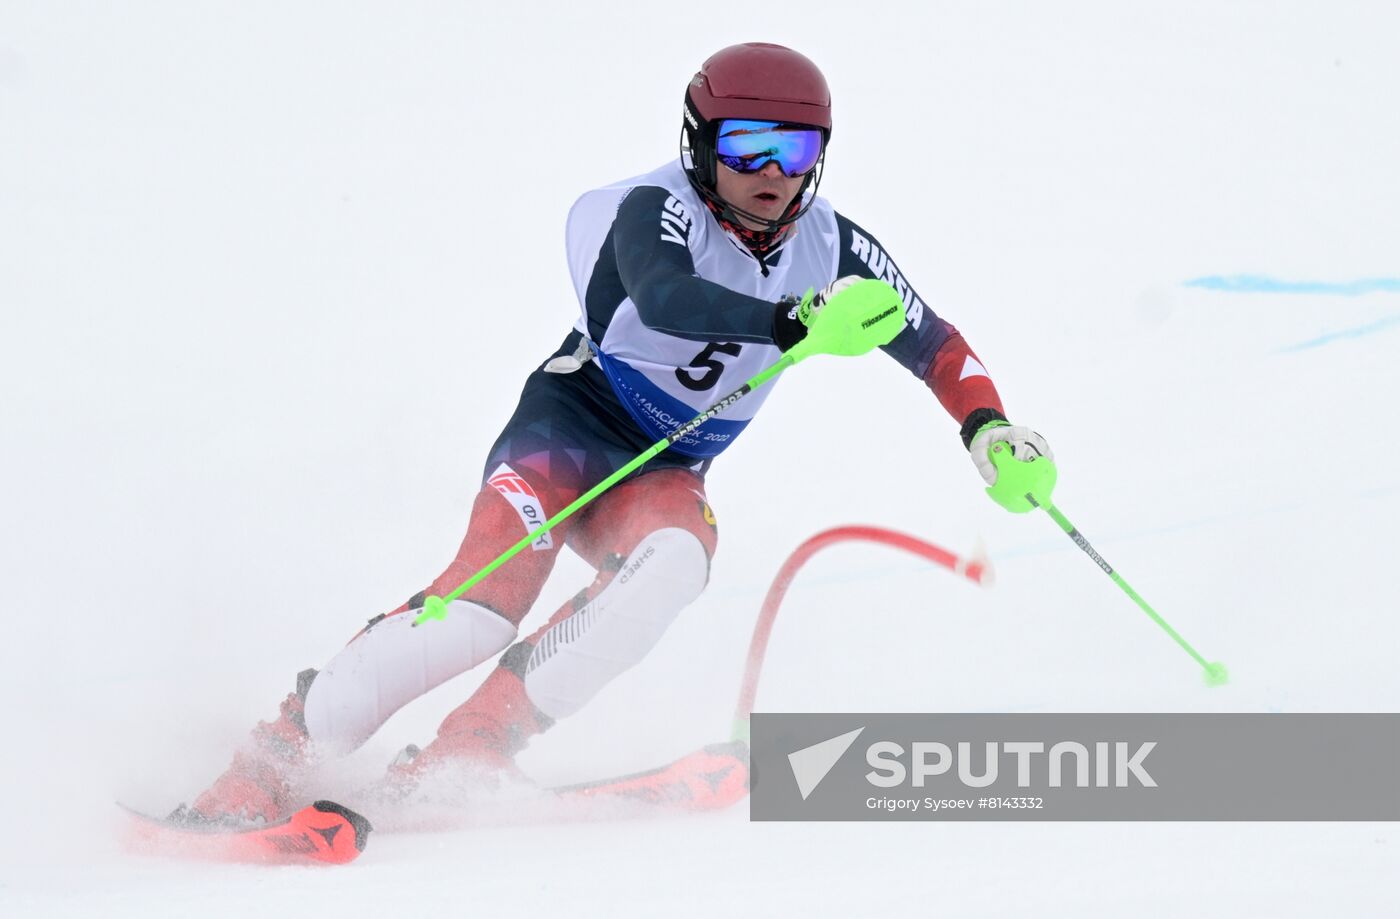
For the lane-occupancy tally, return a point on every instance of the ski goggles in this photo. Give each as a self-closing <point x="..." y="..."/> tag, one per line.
<point x="748" y="146"/>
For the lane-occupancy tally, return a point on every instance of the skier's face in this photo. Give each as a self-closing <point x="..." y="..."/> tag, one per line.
<point x="766" y="193"/>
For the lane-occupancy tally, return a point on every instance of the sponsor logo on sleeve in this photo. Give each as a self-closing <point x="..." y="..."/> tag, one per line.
<point x="522" y="497"/>
<point x="675" y="222"/>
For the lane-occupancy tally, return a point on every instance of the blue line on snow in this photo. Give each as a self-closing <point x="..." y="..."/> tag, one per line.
<point x="1356" y="332"/>
<point x="1258" y="284"/>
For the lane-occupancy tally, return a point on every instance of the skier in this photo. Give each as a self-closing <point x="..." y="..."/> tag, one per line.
<point x="690" y="280"/>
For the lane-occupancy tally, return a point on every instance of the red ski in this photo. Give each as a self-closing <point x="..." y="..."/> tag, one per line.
<point x="711" y="778"/>
<point x="323" y="832"/>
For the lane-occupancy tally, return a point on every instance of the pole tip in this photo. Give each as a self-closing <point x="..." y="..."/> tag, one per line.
<point x="433" y="608"/>
<point x="1216" y="674"/>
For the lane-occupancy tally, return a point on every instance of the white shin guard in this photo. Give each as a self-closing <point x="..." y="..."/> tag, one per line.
<point x="390" y="664"/>
<point x="578" y="656"/>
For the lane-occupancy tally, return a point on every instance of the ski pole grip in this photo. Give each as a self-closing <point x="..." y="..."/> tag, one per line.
<point x="1022" y="485"/>
<point x="865" y="316"/>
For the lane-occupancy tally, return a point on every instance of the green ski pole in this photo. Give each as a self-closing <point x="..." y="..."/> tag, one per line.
<point x="865" y="316"/>
<point x="1024" y="486"/>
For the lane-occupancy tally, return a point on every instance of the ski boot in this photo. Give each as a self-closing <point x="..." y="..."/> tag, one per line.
<point x="256" y="788"/>
<point x="480" y="739"/>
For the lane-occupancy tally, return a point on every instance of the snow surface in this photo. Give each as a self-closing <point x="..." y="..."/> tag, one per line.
<point x="271" y="276"/>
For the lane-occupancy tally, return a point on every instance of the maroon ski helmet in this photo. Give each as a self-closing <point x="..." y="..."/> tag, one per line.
<point x="763" y="82"/>
<point x="754" y="80"/>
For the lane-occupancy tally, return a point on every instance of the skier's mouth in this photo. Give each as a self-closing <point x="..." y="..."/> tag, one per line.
<point x="767" y="197"/>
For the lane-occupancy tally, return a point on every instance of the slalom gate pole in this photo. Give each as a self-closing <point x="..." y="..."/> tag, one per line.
<point x="976" y="571"/>
<point x="867" y="315"/>
<point x="1215" y="672"/>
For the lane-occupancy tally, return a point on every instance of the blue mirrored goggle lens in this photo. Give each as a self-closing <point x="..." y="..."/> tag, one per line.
<point x="748" y="146"/>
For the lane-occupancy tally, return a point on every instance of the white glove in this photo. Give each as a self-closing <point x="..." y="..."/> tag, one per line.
<point x="1025" y="444"/>
<point x="807" y="311"/>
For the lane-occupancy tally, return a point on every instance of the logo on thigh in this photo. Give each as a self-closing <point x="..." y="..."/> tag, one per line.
<point x="522" y="497"/>
<point x="706" y="512"/>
